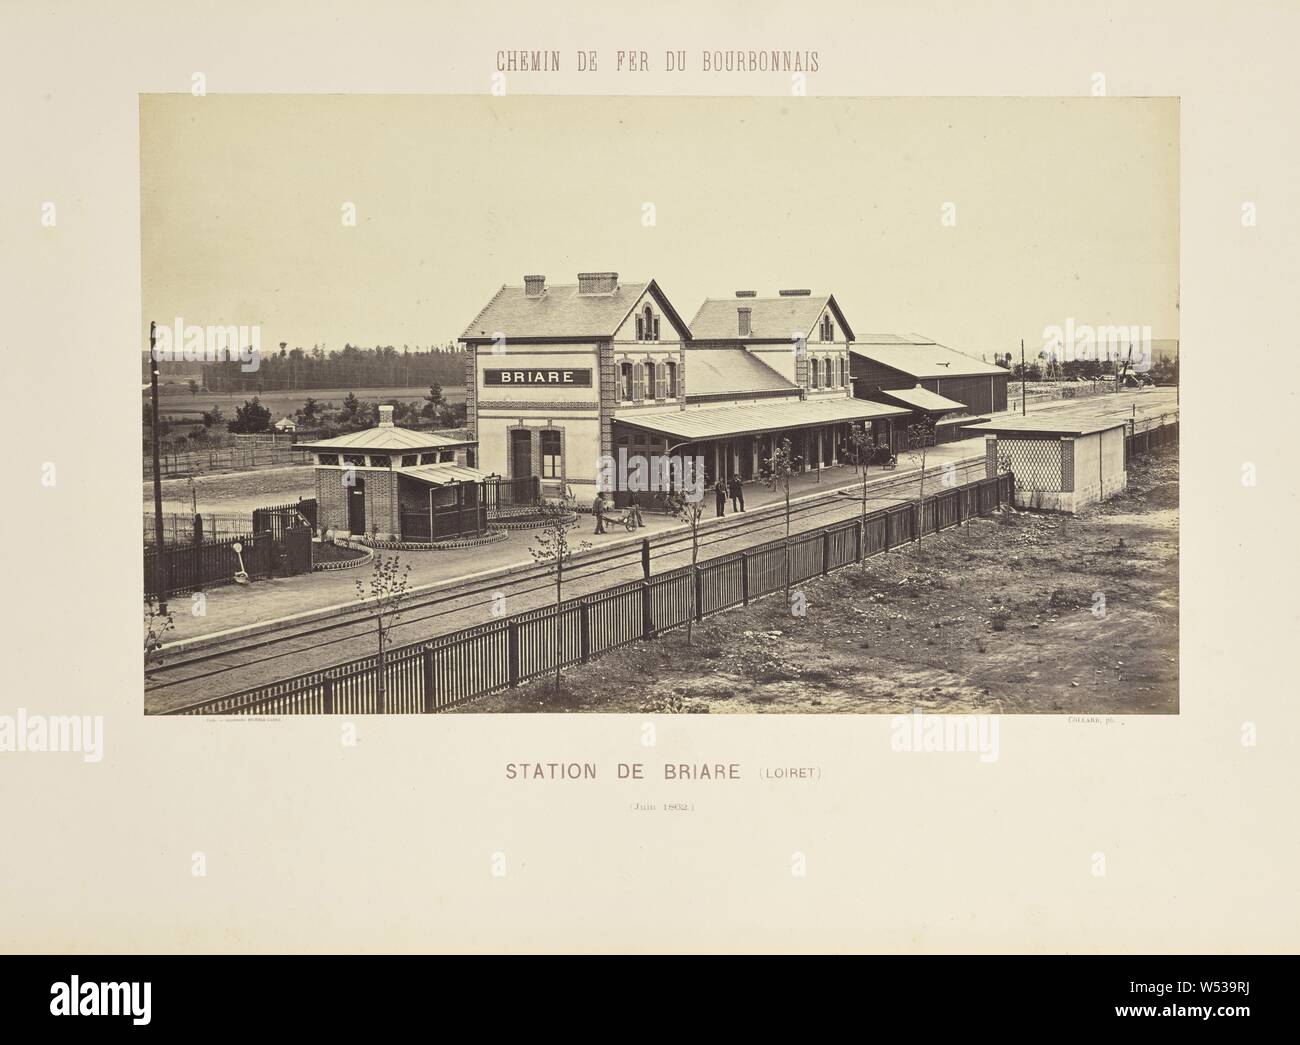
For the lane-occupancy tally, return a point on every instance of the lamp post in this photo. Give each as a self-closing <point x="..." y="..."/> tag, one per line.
<point x="160" y="560"/>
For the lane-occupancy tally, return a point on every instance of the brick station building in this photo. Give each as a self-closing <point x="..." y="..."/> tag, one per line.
<point x="559" y="376"/>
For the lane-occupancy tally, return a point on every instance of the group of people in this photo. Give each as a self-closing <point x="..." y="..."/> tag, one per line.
<point x="722" y="489"/>
<point x="729" y="487"/>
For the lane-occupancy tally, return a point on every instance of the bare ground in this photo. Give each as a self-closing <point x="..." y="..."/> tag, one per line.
<point x="914" y="628"/>
<point x="240" y="491"/>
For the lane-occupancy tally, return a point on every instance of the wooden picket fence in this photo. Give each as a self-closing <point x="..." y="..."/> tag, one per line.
<point x="439" y="673"/>
<point x="1149" y="434"/>
<point x="193" y="567"/>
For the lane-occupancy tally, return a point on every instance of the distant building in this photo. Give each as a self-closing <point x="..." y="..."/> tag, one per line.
<point x="286" y="424"/>
<point x="889" y="362"/>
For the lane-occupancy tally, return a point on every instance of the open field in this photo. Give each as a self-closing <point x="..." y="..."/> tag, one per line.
<point x="912" y="629"/>
<point x="232" y="492"/>
<point x="175" y="401"/>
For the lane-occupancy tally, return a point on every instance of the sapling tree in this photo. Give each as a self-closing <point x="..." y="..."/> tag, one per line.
<point x="553" y="549"/>
<point x="385" y="596"/>
<point x="860" y="449"/>
<point x="691" y="512"/>
<point x="919" y="438"/>
<point x="781" y="468"/>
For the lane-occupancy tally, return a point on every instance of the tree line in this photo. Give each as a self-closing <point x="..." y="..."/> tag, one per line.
<point x="350" y="367"/>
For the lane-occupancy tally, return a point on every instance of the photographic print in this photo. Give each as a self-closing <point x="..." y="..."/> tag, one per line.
<point x="474" y="404"/>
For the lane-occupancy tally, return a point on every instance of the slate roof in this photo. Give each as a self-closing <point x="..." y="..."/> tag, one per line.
<point x="384" y="438"/>
<point x="720" y="422"/>
<point x="920" y="357"/>
<point x="730" y="371"/>
<point x="561" y="312"/>
<point x="770" y="319"/>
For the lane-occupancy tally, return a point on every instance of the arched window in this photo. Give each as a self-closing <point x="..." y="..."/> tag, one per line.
<point x="828" y="328"/>
<point x="649" y="325"/>
<point x="625" y="382"/>
<point x="672" y="380"/>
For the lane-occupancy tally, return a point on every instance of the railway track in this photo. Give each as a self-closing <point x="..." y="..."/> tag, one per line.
<point x="220" y="670"/>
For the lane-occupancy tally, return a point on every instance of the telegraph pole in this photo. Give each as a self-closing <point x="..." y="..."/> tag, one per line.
<point x="1022" y="377"/>
<point x="160" y="558"/>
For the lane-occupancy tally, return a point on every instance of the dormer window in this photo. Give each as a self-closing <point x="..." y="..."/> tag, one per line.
<point x="647" y="325"/>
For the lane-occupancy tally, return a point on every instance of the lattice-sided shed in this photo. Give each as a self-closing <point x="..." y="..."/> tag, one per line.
<point x="1058" y="465"/>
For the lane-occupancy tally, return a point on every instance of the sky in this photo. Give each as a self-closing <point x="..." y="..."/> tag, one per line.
<point x="1065" y="209"/>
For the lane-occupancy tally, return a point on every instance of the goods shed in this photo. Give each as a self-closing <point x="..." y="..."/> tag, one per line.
<point x="1059" y="466"/>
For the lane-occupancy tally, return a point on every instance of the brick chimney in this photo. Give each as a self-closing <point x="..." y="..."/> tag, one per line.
<point x="534" y="286"/>
<point x="794" y="293"/>
<point x="385" y="416"/>
<point x="746" y="293"/>
<point x="597" y="282"/>
<point x="743" y="314"/>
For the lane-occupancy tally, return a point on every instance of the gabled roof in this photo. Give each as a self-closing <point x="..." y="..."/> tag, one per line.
<point x="724" y="371"/>
<point x="385" y="438"/>
<point x="716" y="422"/>
<point x="920" y="357"/>
<point x="770" y="319"/>
<point x="560" y="313"/>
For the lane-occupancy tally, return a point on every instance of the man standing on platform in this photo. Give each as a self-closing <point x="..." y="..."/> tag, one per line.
<point x="737" y="492"/>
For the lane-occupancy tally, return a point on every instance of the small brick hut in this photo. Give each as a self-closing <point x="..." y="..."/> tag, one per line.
<point x="397" y="484"/>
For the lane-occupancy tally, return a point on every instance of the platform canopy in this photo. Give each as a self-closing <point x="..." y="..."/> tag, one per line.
<point x="445" y="474"/>
<point x="722" y="422"/>
<point x="922" y="399"/>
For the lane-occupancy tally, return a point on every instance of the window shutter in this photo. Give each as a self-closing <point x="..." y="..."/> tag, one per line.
<point x="661" y="381"/>
<point x="656" y="337"/>
<point x="638" y="382"/>
<point x="640" y="329"/>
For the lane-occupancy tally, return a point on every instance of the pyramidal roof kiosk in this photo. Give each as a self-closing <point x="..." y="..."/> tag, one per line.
<point x="397" y="484"/>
